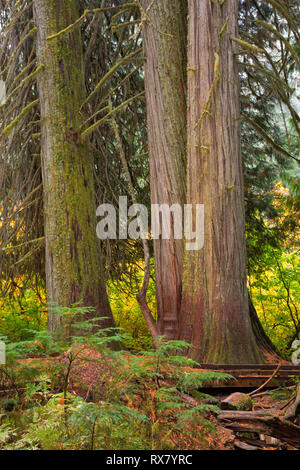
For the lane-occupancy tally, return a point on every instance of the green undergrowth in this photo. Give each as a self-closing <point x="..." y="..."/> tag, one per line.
<point x="138" y="401"/>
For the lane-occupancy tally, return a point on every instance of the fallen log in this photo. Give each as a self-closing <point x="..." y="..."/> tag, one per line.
<point x="285" y="405"/>
<point x="239" y="445"/>
<point x="264" y="442"/>
<point x="237" y="414"/>
<point x="262" y="423"/>
<point x="294" y="409"/>
<point x="268" y="392"/>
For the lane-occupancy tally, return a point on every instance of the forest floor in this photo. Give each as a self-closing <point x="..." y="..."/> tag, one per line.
<point x="89" y="380"/>
<point x="94" y="377"/>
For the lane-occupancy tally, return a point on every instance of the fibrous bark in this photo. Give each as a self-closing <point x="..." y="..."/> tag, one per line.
<point x="164" y="37"/>
<point x="215" y="311"/>
<point x="219" y="308"/>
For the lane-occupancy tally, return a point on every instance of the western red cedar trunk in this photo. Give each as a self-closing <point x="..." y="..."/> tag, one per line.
<point x="215" y="310"/>
<point x="164" y="38"/>
<point x="73" y="263"/>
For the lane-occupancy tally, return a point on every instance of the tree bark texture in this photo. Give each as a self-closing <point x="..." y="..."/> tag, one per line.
<point x="164" y="37"/>
<point x="215" y="311"/>
<point x="73" y="258"/>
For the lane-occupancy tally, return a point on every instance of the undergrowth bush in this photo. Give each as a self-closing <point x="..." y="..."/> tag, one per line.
<point x="275" y="294"/>
<point x="127" y="313"/>
<point x="142" y="404"/>
<point x="21" y="316"/>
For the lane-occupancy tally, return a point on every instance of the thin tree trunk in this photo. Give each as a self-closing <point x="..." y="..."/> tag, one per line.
<point x="215" y="310"/>
<point x="164" y="37"/>
<point x="73" y="258"/>
<point x="142" y="294"/>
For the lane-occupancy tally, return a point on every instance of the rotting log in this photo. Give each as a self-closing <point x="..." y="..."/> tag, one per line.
<point x="262" y="423"/>
<point x="294" y="409"/>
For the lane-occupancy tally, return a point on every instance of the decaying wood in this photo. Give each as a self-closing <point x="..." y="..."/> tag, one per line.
<point x="267" y="381"/>
<point x="294" y="409"/>
<point x="262" y="423"/>
<point x="267" y="392"/>
<point x="235" y="414"/>
<point x="261" y="443"/>
<point x="286" y="404"/>
<point x="188" y="399"/>
<point x="12" y="390"/>
<point x="239" y="445"/>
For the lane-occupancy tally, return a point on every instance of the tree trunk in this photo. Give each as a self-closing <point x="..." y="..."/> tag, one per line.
<point x="215" y="310"/>
<point x="164" y="37"/>
<point x="73" y="258"/>
<point x="265" y="344"/>
<point x="165" y="81"/>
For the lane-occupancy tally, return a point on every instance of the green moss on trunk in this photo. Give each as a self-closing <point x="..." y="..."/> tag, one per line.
<point x="73" y="258"/>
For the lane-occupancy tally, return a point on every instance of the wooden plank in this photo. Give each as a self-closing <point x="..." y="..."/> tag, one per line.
<point x="266" y="367"/>
<point x="253" y="375"/>
<point x="252" y="382"/>
<point x="258" y="373"/>
<point x="247" y="383"/>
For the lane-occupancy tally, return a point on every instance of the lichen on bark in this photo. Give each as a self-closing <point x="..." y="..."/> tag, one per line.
<point x="73" y="259"/>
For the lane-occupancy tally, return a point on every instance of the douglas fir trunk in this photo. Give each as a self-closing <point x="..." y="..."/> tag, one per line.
<point x="215" y="310"/>
<point x="73" y="266"/>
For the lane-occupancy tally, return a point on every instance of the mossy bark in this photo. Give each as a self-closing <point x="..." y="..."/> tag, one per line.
<point x="164" y="39"/>
<point x="73" y="258"/>
<point x="215" y="310"/>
